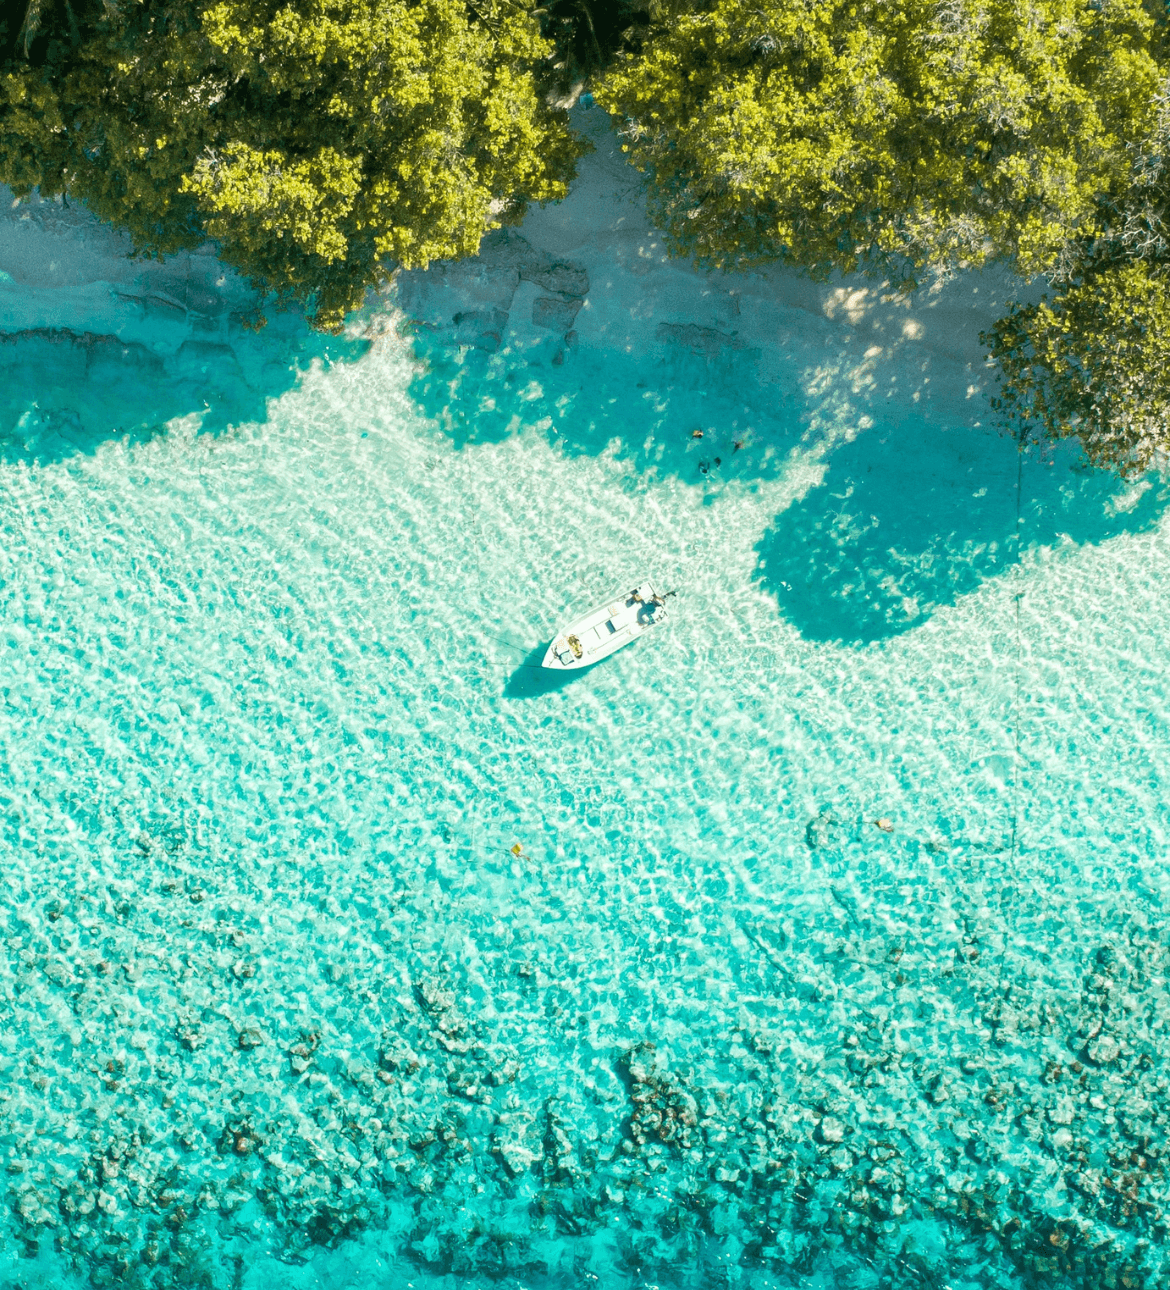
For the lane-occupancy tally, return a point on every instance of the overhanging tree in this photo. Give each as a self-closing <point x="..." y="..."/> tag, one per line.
<point x="319" y="143"/>
<point x="1093" y="361"/>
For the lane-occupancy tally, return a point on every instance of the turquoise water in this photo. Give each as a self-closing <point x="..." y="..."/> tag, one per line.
<point x="281" y="1007"/>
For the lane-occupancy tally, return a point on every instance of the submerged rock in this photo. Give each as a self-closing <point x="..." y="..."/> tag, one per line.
<point x="79" y="353"/>
<point x="663" y="1111"/>
<point x="831" y="1130"/>
<point x="516" y="1158"/>
<point x="699" y="340"/>
<point x="507" y="247"/>
<point x="554" y="313"/>
<point x="301" y="1053"/>
<point x="480" y="328"/>
<point x="1103" y="1050"/>
<point x="562" y="276"/>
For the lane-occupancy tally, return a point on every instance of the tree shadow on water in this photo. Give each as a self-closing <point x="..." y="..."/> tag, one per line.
<point x="908" y="518"/>
<point x="64" y="392"/>
<point x="644" y="406"/>
<point x="911" y="518"/>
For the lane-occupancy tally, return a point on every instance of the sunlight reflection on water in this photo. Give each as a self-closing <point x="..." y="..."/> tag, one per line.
<point x="278" y="989"/>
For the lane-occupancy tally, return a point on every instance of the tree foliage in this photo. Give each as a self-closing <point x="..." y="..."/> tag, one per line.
<point x="1094" y="360"/>
<point x="1093" y="363"/>
<point x="319" y="142"/>
<point x="841" y="133"/>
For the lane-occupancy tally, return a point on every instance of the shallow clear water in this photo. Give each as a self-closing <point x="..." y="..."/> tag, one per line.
<point x="282" y="1007"/>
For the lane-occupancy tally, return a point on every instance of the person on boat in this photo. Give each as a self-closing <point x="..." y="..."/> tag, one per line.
<point x="635" y="597"/>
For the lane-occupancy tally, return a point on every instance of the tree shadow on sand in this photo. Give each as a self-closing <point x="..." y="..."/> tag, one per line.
<point x="908" y="519"/>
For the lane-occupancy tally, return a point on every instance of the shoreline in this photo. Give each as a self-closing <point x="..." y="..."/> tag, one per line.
<point x="864" y="347"/>
<point x="858" y="348"/>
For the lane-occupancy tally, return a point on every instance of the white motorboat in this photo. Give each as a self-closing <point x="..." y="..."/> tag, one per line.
<point x="604" y="630"/>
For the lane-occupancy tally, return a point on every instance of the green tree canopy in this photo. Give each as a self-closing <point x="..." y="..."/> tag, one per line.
<point x="1093" y="360"/>
<point x="839" y="132"/>
<point x="319" y="142"/>
<point x="1093" y="363"/>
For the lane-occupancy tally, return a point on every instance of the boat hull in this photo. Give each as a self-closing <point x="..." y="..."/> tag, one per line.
<point x="618" y="622"/>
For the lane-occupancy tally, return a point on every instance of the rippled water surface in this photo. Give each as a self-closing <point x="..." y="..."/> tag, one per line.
<point x="282" y="1007"/>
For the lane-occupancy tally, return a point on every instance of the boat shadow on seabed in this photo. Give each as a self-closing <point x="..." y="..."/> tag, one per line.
<point x="530" y="680"/>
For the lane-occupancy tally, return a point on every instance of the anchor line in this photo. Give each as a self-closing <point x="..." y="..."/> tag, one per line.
<point x="510" y="644"/>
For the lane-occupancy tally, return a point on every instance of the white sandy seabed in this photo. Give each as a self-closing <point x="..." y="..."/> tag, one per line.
<point x="270" y="608"/>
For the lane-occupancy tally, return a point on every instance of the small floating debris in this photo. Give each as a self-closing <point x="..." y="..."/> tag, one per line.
<point x="607" y="628"/>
